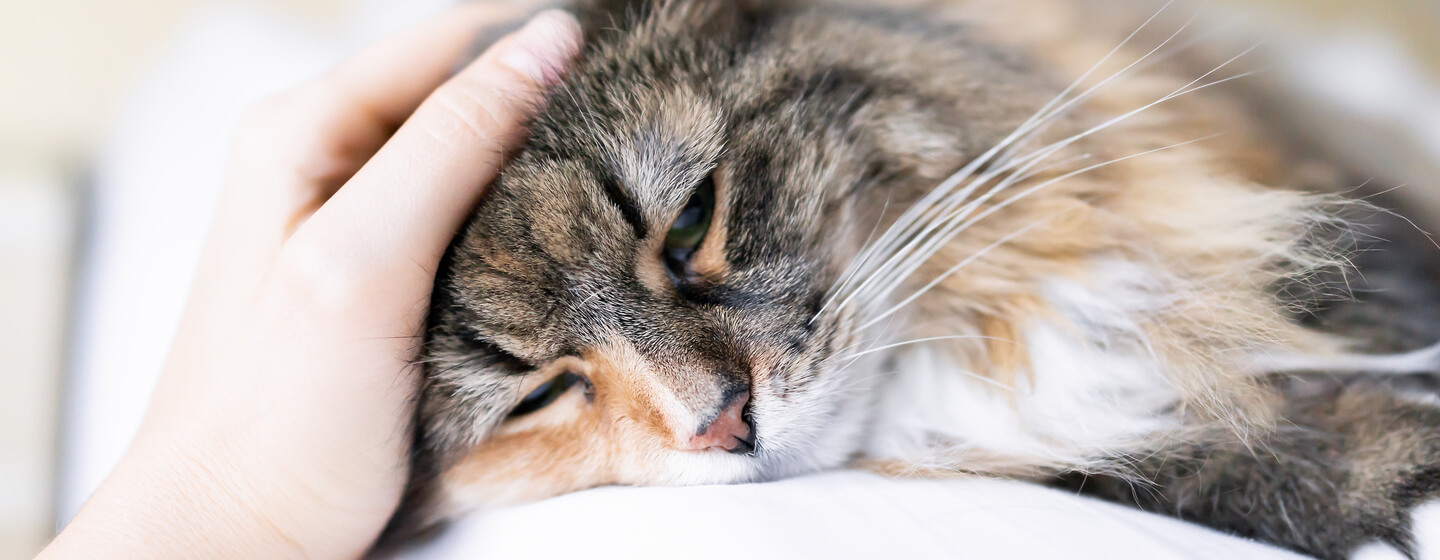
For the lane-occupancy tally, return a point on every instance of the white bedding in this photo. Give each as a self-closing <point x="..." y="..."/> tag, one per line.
<point x="154" y="192"/>
<point x="836" y="515"/>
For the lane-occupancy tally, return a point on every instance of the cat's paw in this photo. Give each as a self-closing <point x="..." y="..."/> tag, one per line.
<point x="1403" y="515"/>
<point x="1425" y="526"/>
<point x="1424" y="533"/>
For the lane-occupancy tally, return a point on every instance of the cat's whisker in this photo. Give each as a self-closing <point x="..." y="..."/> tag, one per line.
<point x="924" y="340"/>
<point x="592" y="297"/>
<point x="964" y="373"/>
<point x="1182" y="90"/>
<point x="871" y="342"/>
<point x="850" y="271"/>
<point x="1187" y="89"/>
<point x="930" y="242"/>
<point x="914" y="255"/>
<point x="853" y="269"/>
<point x="1052" y="167"/>
<point x="923" y="209"/>
<point x="1214" y="83"/>
<point x="961" y="226"/>
<point x="1045" y="112"/>
<point x="888" y="271"/>
<point x="950" y="202"/>
<point x="899" y="230"/>
<point x="1053" y="148"/>
<point x="1055" y="115"/>
<point x="955" y="268"/>
<point x="902" y="253"/>
<point x="1023" y="194"/>
<point x="1203" y="37"/>
<point x="948" y="227"/>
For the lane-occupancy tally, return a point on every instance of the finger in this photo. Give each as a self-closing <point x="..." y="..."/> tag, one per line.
<point x="319" y="134"/>
<point x="294" y="150"/>
<point x="389" y="80"/>
<point x="404" y="206"/>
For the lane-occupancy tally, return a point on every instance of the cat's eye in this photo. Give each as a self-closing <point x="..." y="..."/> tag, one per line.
<point x="548" y="393"/>
<point x="691" y="225"/>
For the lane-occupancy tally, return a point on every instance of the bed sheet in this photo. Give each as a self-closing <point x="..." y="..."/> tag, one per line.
<point x="839" y="515"/>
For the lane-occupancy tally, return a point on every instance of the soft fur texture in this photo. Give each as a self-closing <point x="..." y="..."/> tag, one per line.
<point x="932" y="253"/>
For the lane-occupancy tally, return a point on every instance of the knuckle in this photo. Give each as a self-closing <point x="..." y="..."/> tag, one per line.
<point x="310" y="275"/>
<point x="279" y="111"/>
<point x="300" y="136"/>
<point x="267" y="119"/>
<point x="463" y="112"/>
<point x="271" y="109"/>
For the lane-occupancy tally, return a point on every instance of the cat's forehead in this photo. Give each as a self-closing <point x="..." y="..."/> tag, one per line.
<point x="660" y="147"/>
<point x="650" y="110"/>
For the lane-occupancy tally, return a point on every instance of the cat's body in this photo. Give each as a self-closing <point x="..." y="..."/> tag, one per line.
<point x="749" y="240"/>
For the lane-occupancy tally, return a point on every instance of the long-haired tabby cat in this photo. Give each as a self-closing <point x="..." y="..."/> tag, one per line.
<point x="755" y="239"/>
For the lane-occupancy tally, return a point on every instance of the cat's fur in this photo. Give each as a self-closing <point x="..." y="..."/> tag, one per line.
<point x="1101" y="319"/>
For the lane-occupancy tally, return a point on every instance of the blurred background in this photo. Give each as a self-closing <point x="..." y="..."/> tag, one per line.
<point x="102" y="101"/>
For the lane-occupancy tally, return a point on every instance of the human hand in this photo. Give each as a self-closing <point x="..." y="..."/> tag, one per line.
<point x="280" y="426"/>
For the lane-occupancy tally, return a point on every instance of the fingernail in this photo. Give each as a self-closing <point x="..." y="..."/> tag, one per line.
<point x="543" y="48"/>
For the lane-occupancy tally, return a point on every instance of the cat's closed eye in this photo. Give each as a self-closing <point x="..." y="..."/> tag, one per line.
<point x="688" y="230"/>
<point x="548" y="392"/>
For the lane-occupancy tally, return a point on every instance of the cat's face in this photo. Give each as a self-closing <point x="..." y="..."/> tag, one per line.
<point x="648" y="277"/>
<point x="638" y="299"/>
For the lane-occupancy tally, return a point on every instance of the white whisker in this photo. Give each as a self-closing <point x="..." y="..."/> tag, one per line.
<point x="1088" y="93"/>
<point x="968" y="223"/>
<point x="930" y="339"/>
<point x="923" y="209"/>
<point x="885" y="263"/>
<point x="1218" y="68"/>
<point x="957" y="267"/>
<point x="887" y="272"/>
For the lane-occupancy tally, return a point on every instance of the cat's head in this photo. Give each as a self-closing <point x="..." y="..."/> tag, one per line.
<point x="638" y="299"/>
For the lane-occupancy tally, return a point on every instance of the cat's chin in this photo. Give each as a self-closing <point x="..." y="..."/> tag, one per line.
<point x="663" y="469"/>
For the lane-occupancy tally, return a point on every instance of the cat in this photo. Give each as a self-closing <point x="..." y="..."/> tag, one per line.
<point x="748" y="240"/>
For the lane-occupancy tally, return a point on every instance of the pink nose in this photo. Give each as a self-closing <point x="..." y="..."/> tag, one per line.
<point x="728" y="432"/>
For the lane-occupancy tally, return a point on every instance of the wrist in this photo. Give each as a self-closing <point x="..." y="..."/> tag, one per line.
<point x="170" y="500"/>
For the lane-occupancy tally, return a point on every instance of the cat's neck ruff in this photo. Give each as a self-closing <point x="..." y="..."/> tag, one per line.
<point x="1093" y="386"/>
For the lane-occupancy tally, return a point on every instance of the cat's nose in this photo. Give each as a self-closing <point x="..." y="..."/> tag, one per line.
<point x="730" y="431"/>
